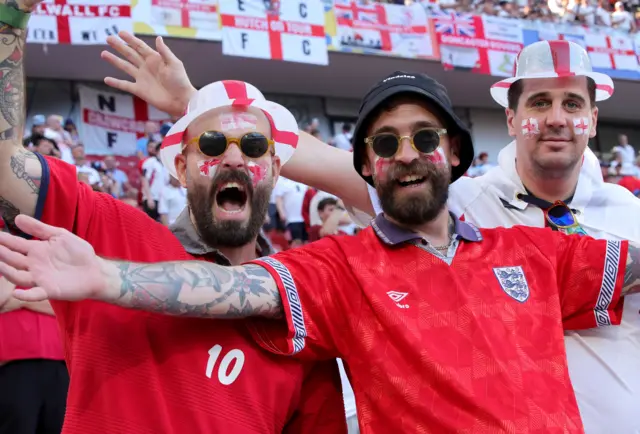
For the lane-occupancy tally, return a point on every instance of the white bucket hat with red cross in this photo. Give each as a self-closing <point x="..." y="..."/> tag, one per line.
<point x="230" y="93"/>
<point x="549" y="59"/>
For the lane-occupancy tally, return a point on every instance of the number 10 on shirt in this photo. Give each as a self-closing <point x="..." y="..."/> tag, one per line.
<point x="229" y="367"/>
<point x="291" y="30"/>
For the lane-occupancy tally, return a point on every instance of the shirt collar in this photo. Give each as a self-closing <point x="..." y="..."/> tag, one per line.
<point x="510" y="188"/>
<point x="392" y="234"/>
<point x="186" y="233"/>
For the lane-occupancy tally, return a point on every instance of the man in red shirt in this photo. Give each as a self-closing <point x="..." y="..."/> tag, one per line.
<point x="137" y="372"/>
<point x="443" y="327"/>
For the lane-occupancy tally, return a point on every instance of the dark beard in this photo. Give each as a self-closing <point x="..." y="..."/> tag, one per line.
<point x="418" y="208"/>
<point x="228" y="233"/>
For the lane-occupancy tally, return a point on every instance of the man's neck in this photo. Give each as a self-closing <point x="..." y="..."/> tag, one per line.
<point x="550" y="186"/>
<point x="240" y="255"/>
<point x="436" y="231"/>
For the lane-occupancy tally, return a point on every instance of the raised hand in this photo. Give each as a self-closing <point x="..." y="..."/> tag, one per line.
<point x="159" y="76"/>
<point x="61" y="266"/>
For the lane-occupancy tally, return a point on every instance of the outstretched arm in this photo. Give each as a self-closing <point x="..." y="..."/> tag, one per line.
<point x="193" y="288"/>
<point x="631" y="283"/>
<point x="58" y="265"/>
<point x="20" y="170"/>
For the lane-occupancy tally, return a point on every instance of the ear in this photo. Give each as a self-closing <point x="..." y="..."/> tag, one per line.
<point x="511" y="114"/>
<point x="367" y="170"/>
<point x="276" y="165"/>
<point x="454" y="151"/>
<point x="594" y="123"/>
<point x="181" y="168"/>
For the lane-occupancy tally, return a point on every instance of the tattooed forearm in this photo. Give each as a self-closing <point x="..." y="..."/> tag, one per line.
<point x="195" y="289"/>
<point x="12" y="42"/>
<point x="19" y="169"/>
<point x="631" y="283"/>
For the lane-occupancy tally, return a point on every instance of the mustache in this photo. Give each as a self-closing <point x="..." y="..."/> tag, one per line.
<point x="415" y="168"/>
<point x="231" y="175"/>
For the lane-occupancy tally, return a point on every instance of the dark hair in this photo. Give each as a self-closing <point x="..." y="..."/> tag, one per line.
<point x="515" y="92"/>
<point x="36" y="138"/>
<point x="327" y="201"/>
<point x="346" y="127"/>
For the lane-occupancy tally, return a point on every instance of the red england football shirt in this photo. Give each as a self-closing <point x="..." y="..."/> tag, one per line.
<point x="476" y="346"/>
<point x="134" y="372"/>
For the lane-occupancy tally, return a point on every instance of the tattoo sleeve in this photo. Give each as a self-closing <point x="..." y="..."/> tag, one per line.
<point x="195" y="289"/>
<point x="20" y="170"/>
<point x="631" y="283"/>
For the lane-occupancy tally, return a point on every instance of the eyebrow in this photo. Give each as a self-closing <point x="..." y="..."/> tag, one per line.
<point x="547" y="95"/>
<point x="417" y="126"/>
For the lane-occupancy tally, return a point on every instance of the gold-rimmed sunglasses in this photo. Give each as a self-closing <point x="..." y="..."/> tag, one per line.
<point x="214" y="144"/>
<point x="387" y="145"/>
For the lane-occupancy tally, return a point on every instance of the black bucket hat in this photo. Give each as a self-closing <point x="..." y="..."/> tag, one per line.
<point x="426" y="87"/>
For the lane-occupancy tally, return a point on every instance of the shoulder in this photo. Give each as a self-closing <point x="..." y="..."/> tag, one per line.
<point x="464" y="192"/>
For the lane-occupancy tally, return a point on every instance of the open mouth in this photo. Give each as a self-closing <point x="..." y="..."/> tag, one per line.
<point x="413" y="180"/>
<point x="231" y="197"/>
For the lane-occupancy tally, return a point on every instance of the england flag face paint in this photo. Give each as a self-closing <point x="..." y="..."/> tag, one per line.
<point x="530" y="127"/>
<point x="257" y="172"/>
<point x="208" y="168"/>
<point x="581" y="126"/>
<point x="437" y="157"/>
<point x="238" y="121"/>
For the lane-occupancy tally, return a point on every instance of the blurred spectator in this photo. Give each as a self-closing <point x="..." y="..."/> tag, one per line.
<point x="38" y="123"/>
<point x="154" y="178"/>
<point x="173" y="199"/>
<point x="151" y="131"/>
<point x="626" y="151"/>
<point x="62" y="137"/>
<point x="83" y="166"/>
<point x="44" y="146"/>
<point x="332" y="214"/>
<point x="118" y="176"/>
<point x="480" y="166"/>
<point x="343" y="139"/>
<point x="164" y="129"/>
<point x="306" y="204"/>
<point x="289" y="197"/>
<point x="71" y="128"/>
<point x="622" y="19"/>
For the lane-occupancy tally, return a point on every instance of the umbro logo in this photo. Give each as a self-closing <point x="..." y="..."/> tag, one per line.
<point x="397" y="297"/>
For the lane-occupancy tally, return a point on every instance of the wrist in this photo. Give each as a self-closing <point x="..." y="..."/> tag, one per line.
<point x="185" y="101"/>
<point x="108" y="281"/>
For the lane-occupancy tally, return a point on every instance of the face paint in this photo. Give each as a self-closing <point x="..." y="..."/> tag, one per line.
<point x="257" y="172"/>
<point x="581" y="126"/>
<point x="208" y="167"/>
<point x="437" y="157"/>
<point x="382" y="165"/>
<point x="237" y="121"/>
<point x="530" y="127"/>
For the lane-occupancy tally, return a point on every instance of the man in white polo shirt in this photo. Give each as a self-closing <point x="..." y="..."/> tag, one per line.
<point x="550" y="108"/>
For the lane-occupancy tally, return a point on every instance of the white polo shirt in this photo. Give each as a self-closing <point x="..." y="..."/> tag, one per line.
<point x="604" y="363"/>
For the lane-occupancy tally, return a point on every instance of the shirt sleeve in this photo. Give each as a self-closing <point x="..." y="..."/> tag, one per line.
<point x="319" y="292"/>
<point x="590" y="275"/>
<point x="321" y="408"/>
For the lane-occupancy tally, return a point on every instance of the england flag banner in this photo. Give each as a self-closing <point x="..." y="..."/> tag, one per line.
<point x="613" y="54"/>
<point x="480" y="44"/>
<point x="81" y="22"/>
<point x="196" y="19"/>
<point x="291" y="30"/>
<point x="112" y="122"/>
<point x="383" y="29"/>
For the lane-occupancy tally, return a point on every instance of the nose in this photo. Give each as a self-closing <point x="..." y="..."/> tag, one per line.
<point x="557" y="117"/>
<point x="232" y="158"/>
<point x="406" y="154"/>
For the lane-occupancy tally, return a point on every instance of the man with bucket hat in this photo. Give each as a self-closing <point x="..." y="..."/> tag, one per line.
<point x="551" y="112"/>
<point x="135" y="372"/>
<point x="442" y="327"/>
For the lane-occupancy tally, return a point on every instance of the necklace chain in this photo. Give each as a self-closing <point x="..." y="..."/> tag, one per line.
<point x="452" y="229"/>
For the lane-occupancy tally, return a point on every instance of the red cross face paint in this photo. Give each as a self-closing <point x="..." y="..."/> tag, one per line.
<point x="581" y="126"/>
<point x="257" y="171"/>
<point x="238" y="121"/>
<point x="530" y="127"/>
<point x="437" y="157"/>
<point x="382" y="166"/>
<point x="208" y="168"/>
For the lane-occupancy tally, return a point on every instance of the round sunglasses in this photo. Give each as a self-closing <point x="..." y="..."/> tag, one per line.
<point x="387" y="145"/>
<point x="214" y="143"/>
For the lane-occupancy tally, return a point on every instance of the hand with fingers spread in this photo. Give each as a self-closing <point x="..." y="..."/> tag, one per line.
<point x="58" y="266"/>
<point x="159" y="76"/>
